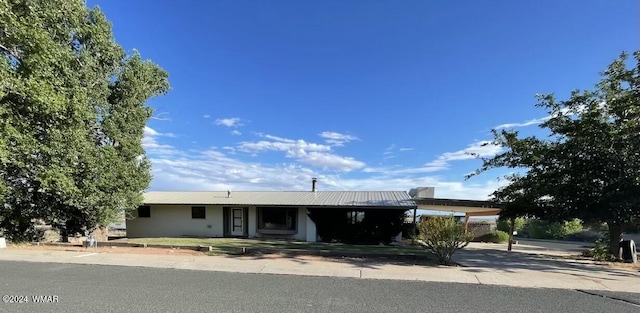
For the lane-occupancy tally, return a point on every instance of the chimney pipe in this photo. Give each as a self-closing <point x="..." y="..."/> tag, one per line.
<point x="313" y="184"/>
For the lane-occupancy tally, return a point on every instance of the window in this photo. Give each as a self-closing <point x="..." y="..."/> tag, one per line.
<point x="273" y="218"/>
<point x="355" y="217"/>
<point x="144" y="211"/>
<point x="198" y="212"/>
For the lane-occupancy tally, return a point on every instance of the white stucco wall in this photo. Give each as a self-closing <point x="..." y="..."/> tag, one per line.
<point x="302" y="225"/>
<point x="311" y="235"/>
<point x="174" y="221"/>
<point x="253" y="222"/>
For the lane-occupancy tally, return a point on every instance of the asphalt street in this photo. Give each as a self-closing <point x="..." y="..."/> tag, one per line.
<point x="97" y="288"/>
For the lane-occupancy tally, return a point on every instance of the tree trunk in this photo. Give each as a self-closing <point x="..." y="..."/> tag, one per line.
<point x="615" y="235"/>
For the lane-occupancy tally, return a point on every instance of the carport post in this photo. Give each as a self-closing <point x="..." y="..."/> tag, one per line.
<point x="413" y="238"/>
<point x="466" y="223"/>
<point x="512" y="223"/>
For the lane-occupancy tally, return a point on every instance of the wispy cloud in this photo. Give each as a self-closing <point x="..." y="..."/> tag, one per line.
<point x="534" y="121"/>
<point x="537" y="121"/>
<point x="206" y="116"/>
<point x="405" y="149"/>
<point x="479" y="148"/>
<point x="229" y="122"/>
<point x="337" y="139"/>
<point x="216" y="170"/>
<point x="226" y="168"/>
<point x="306" y="152"/>
<point x="151" y="145"/>
<point x="236" y="132"/>
<point x="162" y="116"/>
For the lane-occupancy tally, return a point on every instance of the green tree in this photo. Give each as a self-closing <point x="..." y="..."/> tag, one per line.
<point x="443" y="236"/>
<point x="589" y="166"/>
<point x="72" y="116"/>
<point x="504" y="225"/>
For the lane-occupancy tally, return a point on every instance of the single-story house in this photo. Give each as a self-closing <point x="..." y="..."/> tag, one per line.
<point x="250" y="214"/>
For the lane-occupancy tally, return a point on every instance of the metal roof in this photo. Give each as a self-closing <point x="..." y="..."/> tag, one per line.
<point x="365" y="199"/>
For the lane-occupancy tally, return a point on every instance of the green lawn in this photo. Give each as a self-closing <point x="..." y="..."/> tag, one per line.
<point x="232" y="245"/>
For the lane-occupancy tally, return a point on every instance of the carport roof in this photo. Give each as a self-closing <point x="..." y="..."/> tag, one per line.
<point x="356" y="199"/>
<point x="469" y="207"/>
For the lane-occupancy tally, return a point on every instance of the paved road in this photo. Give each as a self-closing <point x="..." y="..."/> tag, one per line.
<point x="96" y="288"/>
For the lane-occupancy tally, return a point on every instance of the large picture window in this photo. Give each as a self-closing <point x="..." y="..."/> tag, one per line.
<point x="274" y="218"/>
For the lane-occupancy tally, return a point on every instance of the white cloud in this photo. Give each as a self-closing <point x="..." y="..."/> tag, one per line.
<point x="215" y="170"/>
<point x="148" y="131"/>
<point x="337" y="139"/>
<point x="389" y="149"/>
<point x="223" y="169"/>
<point x="406" y="149"/>
<point x="236" y="132"/>
<point x="305" y="152"/>
<point x="162" y="116"/>
<point x="229" y="122"/>
<point x="476" y="149"/>
<point x="151" y="145"/>
<point x="206" y="116"/>
<point x="534" y="121"/>
<point x="331" y="161"/>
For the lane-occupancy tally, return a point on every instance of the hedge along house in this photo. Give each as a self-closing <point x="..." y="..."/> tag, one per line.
<point x="251" y="214"/>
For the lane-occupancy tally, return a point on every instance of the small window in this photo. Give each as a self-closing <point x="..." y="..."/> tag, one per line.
<point x="144" y="211"/>
<point x="355" y="217"/>
<point x="198" y="212"/>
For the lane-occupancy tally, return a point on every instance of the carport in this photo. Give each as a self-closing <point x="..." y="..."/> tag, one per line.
<point x="468" y="207"/>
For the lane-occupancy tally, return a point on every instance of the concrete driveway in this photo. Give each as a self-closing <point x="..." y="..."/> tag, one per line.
<point x="545" y="263"/>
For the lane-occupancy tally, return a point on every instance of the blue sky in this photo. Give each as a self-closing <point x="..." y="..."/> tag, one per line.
<point x="364" y="95"/>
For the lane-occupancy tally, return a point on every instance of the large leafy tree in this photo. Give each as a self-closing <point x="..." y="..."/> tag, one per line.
<point x="589" y="166"/>
<point x="72" y="116"/>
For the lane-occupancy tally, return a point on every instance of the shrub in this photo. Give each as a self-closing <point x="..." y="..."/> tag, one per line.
<point x="443" y="236"/>
<point x="499" y="237"/>
<point x="600" y="252"/>
<point x="541" y="229"/>
<point x="503" y="225"/>
<point x="495" y="237"/>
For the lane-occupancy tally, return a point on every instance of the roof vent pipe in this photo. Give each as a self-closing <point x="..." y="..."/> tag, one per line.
<point x="313" y="184"/>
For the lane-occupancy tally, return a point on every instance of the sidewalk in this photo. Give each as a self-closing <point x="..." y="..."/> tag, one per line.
<point x="481" y="264"/>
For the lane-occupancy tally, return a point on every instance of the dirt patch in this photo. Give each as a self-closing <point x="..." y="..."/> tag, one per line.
<point x="134" y="250"/>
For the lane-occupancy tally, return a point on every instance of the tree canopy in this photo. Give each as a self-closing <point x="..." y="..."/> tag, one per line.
<point x="72" y="118"/>
<point x="589" y="166"/>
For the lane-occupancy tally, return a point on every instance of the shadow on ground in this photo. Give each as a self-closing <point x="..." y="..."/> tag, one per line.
<point x="493" y="260"/>
<point x="359" y="261"/>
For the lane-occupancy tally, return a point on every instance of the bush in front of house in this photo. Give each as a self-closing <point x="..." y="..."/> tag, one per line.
<point x="497" y="236"/>
<point x="442" y="236"/>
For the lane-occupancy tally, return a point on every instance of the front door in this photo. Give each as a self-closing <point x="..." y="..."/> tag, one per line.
<point x="237" y="222"/>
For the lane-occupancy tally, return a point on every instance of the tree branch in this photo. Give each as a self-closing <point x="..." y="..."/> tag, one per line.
<point x="11" y="53"/>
